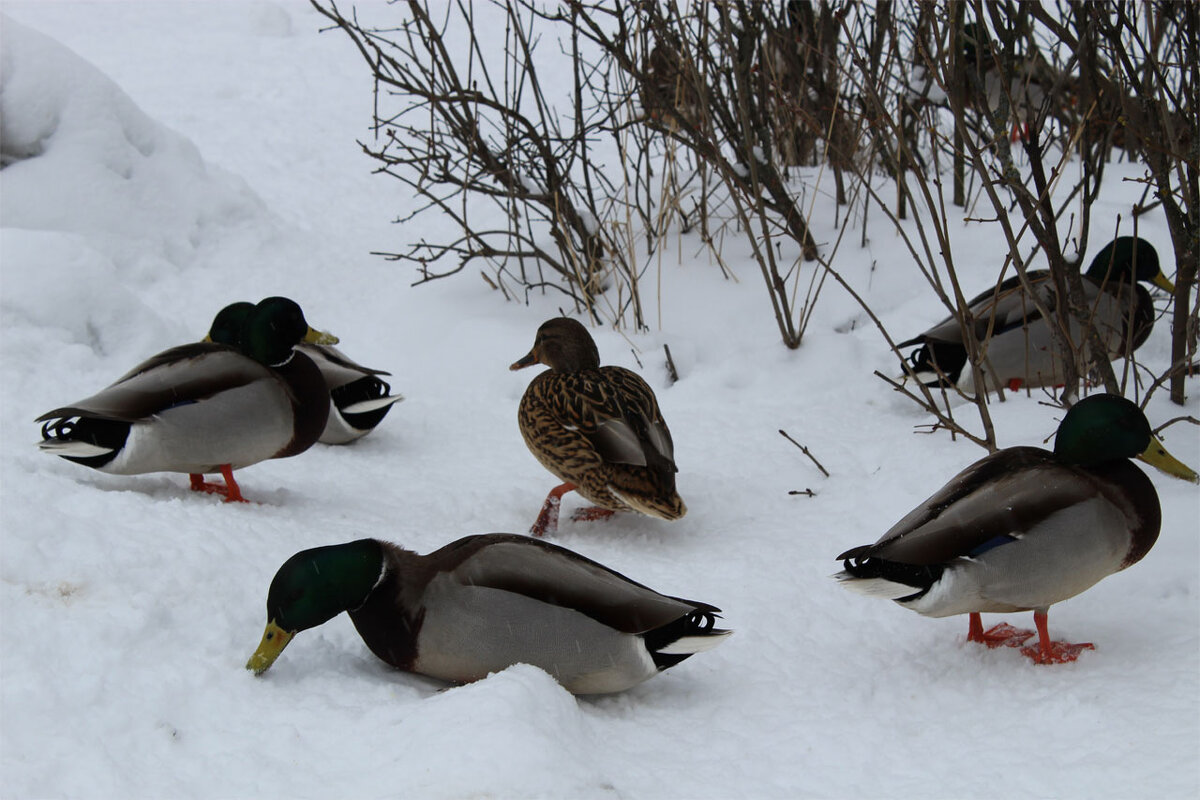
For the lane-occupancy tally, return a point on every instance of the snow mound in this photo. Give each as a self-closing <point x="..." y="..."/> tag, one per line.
<point x="79" y="156"/>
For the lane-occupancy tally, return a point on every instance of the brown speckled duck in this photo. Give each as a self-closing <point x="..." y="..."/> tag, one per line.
<point x="599" y="429"/>
<point x="484" y="603"/>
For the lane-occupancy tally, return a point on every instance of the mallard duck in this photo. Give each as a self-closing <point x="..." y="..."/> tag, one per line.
<point x="1021" y="350"/>
<point x="359" y="399"/>
<point x="203" y="407"/>
<point x="597" y="428"/>
<point x="484" y="603"/>
<point x="1025" y="528"/>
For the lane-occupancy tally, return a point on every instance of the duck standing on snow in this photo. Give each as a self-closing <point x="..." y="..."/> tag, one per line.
<point x="1025" y="528"/>
<point x="358" y="398"/>
<point x="484" y="603"/>
<point x="1020" y="351"/>
<point x="203" y="407"/>
<point x="599" y="429"/>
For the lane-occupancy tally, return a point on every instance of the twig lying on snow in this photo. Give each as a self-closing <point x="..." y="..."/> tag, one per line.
<point x="804" y="450"/>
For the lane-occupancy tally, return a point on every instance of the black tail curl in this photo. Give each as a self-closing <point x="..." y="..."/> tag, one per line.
<point x="934" y="356"/>
<point x="365" y="388"/>
<point x="860" y="564"/>
<point x="106" y="433"/>
<point x="699" y="622"/>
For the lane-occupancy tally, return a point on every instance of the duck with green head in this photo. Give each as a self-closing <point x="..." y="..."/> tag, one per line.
<point x="358" y="398"/>
<point x="598" y="429"/>
<point x="484" y="603"/>
<point x="1024" y="528"/>
<point x="1020" y="350"/>
<point x="203" y="407"/>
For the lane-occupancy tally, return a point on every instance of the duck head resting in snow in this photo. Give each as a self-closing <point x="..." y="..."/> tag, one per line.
<point x="1025" y="528"/>
<point x="598" y="429"/>
<point x="203" y="407"/>
<point x="484" y="603"/>
<point x="359" y="399"/>
<point x="1020" y="349"/>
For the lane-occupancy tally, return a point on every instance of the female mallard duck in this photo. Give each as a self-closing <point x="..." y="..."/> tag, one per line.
<point x="1025" y="528"/>
<point x="1020" y="351"/>
<point x="484" y="603"/>
<point x="597" y="428"/>
<point x="203" y="407"/>
<point x="359" y="399"/>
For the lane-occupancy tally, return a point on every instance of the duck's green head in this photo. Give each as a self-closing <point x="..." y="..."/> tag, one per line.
<point x="1106" y="427"/>
<point x="311" y="588"/>
<point x="562" y="344"/>
<point x="273" y="327"/>
<point x="227" y="324"/>
<point x="1128" y="259"/>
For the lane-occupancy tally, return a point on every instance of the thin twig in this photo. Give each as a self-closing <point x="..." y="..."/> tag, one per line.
<point x="804" y="450"/>
<point x="671" y="364"/>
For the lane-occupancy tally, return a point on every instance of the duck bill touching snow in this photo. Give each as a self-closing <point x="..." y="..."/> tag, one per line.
<point x="1019" y="349"/>
<point x="598" y="429"/>
<point x="203" y="407"/>
<point x="484" y="603"/>
<point x="1024" y="528"/>
<point x="359" y="398"/>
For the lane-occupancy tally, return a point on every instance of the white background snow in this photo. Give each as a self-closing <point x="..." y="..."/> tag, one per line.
<point x="193" y="154"/>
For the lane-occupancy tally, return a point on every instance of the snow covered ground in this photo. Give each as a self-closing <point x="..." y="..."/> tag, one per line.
<point x="192" y="154"/>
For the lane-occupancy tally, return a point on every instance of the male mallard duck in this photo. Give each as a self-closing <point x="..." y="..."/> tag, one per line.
<point x="203" y="407"/>
<point x="484" y="603"/>
<point x="597" y="428"/>
<point x="1025" y="528"/>
<point x="359" y="400"/>
<point x="1021" y="348"/>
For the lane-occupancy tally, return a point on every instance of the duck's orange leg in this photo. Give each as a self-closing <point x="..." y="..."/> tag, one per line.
<point x="1050" y="652"/>
<point x="548" y="517"/>
<point x="998" y="635"/>
<point x="231" y="491"/>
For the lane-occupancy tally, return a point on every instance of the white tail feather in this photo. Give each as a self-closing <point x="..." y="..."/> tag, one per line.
<point x="875" y="587"/>
<point x="686" y="645"/>
<point x="72" y="448"/>
<point x="372" y="405"/>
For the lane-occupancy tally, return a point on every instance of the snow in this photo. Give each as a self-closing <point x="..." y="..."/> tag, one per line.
<point x="192" y="154"/>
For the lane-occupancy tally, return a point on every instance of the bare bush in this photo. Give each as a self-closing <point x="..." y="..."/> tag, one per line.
<point x="719" y="114"/>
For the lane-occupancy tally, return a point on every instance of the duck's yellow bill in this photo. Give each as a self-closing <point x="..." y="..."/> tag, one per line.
<point x="274" y="640"/>
<point x="1163" y="282"/>
<point x="1157" y="456"/>
<point x="315" y="336"/>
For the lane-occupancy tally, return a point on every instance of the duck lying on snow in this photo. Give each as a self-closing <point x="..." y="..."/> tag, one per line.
<point x="598" y="429"/>
<point x="1025" y="528"/>
<point x="1020" y="350"/>
<point x="358" y="398"/>
<point x="484" y="603"/>
<point x="203" y="407"/>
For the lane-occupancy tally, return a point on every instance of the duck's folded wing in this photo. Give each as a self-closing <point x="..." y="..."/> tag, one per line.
<point x="555" y="575"/>
<point x="185" y="374"/>
<point x="620" y="418"/>
<point x="995" y="501"/>
<point x="1008" y="304"/>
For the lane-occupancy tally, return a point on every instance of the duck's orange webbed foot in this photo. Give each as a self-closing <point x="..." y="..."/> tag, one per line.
<point x="1051" y="652"/>
<point x="591" y="514"/>
<point x="1002" y="635"/>
<point x="230" y="491"/>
